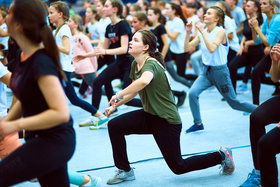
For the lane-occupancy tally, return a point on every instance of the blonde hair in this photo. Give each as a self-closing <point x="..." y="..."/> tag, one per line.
<point x="77" y="19"/>
<point x="275" y="4"/>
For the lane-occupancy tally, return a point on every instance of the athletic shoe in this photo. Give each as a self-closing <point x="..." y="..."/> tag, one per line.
<point x="181" y="99"/>
<point x="99" y="123"/>
<point x="194" y="128"/>
<point x="88" y="93"/>
<point x="122" y="176"/>
<point x="94" y="182"/>
<point x="88" y="122"/>
<point x="242" y="89"/>
<point x="253" y="180"/>
<point x="227" y="165"/>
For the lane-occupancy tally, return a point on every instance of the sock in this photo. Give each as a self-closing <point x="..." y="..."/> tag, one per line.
<point x="75" y="178"/>
<point x="102" y="117"/>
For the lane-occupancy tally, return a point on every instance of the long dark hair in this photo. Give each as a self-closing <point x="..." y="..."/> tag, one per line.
<point x="259" y="12"/>
<point x="178" y="11"/>
<point x="118" y="4"/>
<point x="157" y="11"/>
<point x="31" y="14"/>
<point x="148" y="38"/>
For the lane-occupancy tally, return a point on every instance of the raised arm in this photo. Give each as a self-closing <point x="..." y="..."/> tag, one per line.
<point x="212" y="46"/>
<point x="275" y="64"/>
<point x="190" y="45"/>
<point x="116" y="51"/>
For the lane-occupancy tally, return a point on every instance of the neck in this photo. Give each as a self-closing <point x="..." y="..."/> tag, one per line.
<point x="60" y="23"/>
<point x="141" y="59"/>
<point x="156" y="23"/>
<point x="115" y="19"/>
<point x="92" y="20"/>
<point x="254" y="14"/>
<point x="211" y="26"/>
<point x="269" y="15"/>
<point x="27" y="47"/>
<point x="171" y="17"/>
<point x="75" y="31"/>
<point x="233" y="7"/>
<point x="103" y="17"/>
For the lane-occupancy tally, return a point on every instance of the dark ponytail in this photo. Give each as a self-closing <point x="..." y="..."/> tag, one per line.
<point x="178" y="12"/>
<point x="51" y="48"/>
<point x="148" y="38"/>
<point x="32" y="14"/>
<point x="157" y="11"/>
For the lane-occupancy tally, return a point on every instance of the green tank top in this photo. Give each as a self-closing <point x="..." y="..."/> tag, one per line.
<point x="157" y="97"/>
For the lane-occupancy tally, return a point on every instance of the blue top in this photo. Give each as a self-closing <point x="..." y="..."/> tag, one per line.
<point x="272" y="31"/>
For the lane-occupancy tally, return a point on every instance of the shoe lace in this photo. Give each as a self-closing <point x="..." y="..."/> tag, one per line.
<point x="96" y="122"/>
<point x="119" y="172"/>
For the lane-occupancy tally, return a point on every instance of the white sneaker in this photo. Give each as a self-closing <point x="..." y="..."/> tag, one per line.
<point x="121" y="176"/>
<point x="88" y="122"/>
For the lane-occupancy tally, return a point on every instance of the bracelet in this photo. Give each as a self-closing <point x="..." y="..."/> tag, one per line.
<point x="118" y="97"/>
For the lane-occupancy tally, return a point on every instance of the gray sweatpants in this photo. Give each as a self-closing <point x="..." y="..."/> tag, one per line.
<point x="220" y="77"/>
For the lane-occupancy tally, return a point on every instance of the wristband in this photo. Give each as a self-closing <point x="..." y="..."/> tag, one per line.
<point x="118" y="97"/>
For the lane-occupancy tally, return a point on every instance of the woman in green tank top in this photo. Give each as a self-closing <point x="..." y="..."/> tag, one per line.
<point x="158" y="117"/>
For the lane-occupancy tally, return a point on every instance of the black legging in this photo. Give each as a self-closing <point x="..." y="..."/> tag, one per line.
<point x="266" y="146"/>
<point x="106" y="59"/>
<point x="251" y="58"/>
<point x="258" y="77"/>
<point x="115" y="70"/>
<point x="167" y="137"/>
<point x="180" y="61"/>
<point x="44" y="156"/>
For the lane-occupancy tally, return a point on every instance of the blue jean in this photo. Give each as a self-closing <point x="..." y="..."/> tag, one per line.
<point x="171" y="70"/>
<point x="73" y="98"/>
<point x="196" y="60"/>
<point x="220" y="77"/>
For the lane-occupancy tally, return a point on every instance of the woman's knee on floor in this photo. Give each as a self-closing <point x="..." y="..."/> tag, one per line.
<point x="177" y="168"/>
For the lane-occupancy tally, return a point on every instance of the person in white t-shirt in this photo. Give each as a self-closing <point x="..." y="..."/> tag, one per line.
<point x="92" y="26"/>
<point x="230" y="29"/>
<point x="214" y="48"/>
<point x="176" y="31"/>
<point x="4" y="39"/>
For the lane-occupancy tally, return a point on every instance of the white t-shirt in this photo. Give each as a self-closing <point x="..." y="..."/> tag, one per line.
<point x="230" y="27"/>
<point x="4" y="40"/>
<point x="193" y="19"/>
<point x="93" y="30"/>
<point x="177" y="25"/>
<point x="239" y="16"/>
<point x="101" y="29"/>
<point x="3" y="87"/>
<point x="219" y="57"/>
<point x="65" y="60"/>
